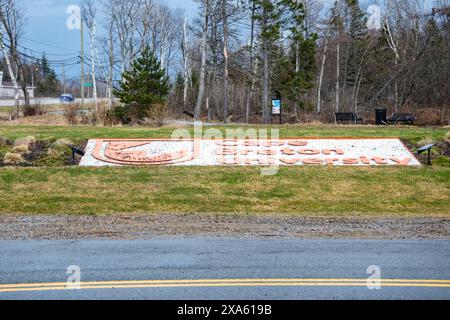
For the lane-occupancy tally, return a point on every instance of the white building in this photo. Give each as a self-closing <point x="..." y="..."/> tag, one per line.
<point x="7" y="89"/>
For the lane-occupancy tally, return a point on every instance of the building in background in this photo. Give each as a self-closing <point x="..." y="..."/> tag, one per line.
<point x="7" y="89"/>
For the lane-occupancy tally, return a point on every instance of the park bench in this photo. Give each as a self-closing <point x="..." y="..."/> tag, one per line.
<point x="349" y="117"/>
<point x="405" y="118"/>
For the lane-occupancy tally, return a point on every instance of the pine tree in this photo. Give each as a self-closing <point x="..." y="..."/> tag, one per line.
<point x="145" y="85"/>
<point x="357" y="34"/>
<point x="47" y="83"/>
<point x="45" y="69"/>
<point x="268" y="14"/>
<point x="300" y="65"/>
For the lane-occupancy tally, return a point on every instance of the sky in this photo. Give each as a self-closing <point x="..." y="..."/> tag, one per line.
<point x="46" y="29"/>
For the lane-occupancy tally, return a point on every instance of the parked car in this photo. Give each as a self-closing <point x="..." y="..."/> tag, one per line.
<point x="66" y="98"/>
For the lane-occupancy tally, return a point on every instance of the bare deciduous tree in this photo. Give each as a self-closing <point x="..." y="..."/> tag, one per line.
<point x="203" y="46"/>
<point x="11" y="25"/>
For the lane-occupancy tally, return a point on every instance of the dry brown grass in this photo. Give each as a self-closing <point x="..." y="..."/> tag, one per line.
<point x="71" y="112"/>
<point x="158" y="114"/>
<point x="13" y="159"/>
<point x="21" y="149"/>
<point x="25" y="141"/>
<point x="44" y="120"/>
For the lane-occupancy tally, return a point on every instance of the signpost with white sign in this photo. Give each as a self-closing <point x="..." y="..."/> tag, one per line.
<point x="276" y="104"/>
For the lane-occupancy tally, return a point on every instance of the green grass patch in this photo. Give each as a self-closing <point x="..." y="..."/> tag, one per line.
<point x="81" y="133"/>
<point x="235" y="190"/>
<point x="393" y="191"/>
<point x="4" y="149"/>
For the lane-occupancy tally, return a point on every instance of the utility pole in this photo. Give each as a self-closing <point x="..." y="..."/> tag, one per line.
<point x="64" y="78"/>
<point x="82" y="65"/>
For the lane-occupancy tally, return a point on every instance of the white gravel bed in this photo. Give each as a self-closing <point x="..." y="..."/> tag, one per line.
<point x="352" y="148"/>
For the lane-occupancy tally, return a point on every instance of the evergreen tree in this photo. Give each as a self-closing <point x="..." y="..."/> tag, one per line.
<point x="47" y="83"/>
<point x="45" y="69"/>
<point x="357" y="34"/>
<point x="145" y="85"/>
<point x="179" y="81"/>
<point x="268" y="14"/>
<point x="299" y="69"/>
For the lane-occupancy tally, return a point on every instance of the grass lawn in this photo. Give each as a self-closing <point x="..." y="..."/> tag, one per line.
<point x="79" y="133"/>
<point x="303" y="190"/>
<point x="380" y="191"/>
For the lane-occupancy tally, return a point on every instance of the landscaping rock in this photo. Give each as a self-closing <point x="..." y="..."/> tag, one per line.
<point x="26" y="141"/>
<point x="13" y="159"/>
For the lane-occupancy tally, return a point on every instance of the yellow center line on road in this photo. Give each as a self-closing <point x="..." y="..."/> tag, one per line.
<point x="225" y="283"/>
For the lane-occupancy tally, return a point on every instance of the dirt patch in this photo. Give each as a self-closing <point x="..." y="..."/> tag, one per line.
<point x="268" y="226"/>
<point x="37" y="150"/>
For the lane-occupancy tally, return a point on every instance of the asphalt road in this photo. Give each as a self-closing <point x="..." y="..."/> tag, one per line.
<point x="214" y="268"/>
<point x="41" y="101"/>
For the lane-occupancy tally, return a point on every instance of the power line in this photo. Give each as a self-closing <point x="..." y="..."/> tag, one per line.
<point x="44" y="52"/>
<point x="49" y="45"/>
<point x="72" y="60"/>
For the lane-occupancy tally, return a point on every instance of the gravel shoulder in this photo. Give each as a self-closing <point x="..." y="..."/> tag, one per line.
<point x="146" y="226"/>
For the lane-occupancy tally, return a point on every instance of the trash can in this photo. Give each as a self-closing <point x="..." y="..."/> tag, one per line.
<point x="380" y="117"/>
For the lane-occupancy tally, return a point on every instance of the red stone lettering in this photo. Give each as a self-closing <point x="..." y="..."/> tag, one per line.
<point x="267" y="152"/>
<point x="331" y="161"/>
<point x="329" y="151"/>
<point x="403" y="162"/>
<point x="309" y="152"/>
<point x="379" y="160"/>
<point x="297" y="143"/>
<point x="226" y="151"/>
<point x="288" y="151"/>
<point x="364" y="160"/>
<point x="350" y="161"/>
<point x="312" y="161"/>
<point x="290" y="161"/>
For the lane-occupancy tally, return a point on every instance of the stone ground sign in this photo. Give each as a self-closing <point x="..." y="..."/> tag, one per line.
<point x="287" y="152"/>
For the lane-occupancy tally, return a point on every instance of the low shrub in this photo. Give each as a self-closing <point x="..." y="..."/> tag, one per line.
<point x="21" y="149"/>
<point x="158" y="113"/>
<point x="25" y="141"/>
<point x="430" y="117"/>
<point x="33" y="110"/>
<point x="119" y="114"/>
<point x="88" y="118"/>
<point x="71" y="112"/>
<point x="5" y="147"/>
<point x="58" y="154"/>
<point x="62" y="143"/>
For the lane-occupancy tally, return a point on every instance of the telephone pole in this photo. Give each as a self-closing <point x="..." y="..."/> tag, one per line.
<point x="64" y="78"/>
<point x="82" y="65"/>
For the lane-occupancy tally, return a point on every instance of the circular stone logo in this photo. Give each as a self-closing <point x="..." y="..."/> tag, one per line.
<point x="143" y="152"/>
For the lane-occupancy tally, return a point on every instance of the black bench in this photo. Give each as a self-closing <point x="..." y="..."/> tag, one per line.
<point x="349" y="117"/>
<point x="190" y="114"/>
<point x="405" y="118"/>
